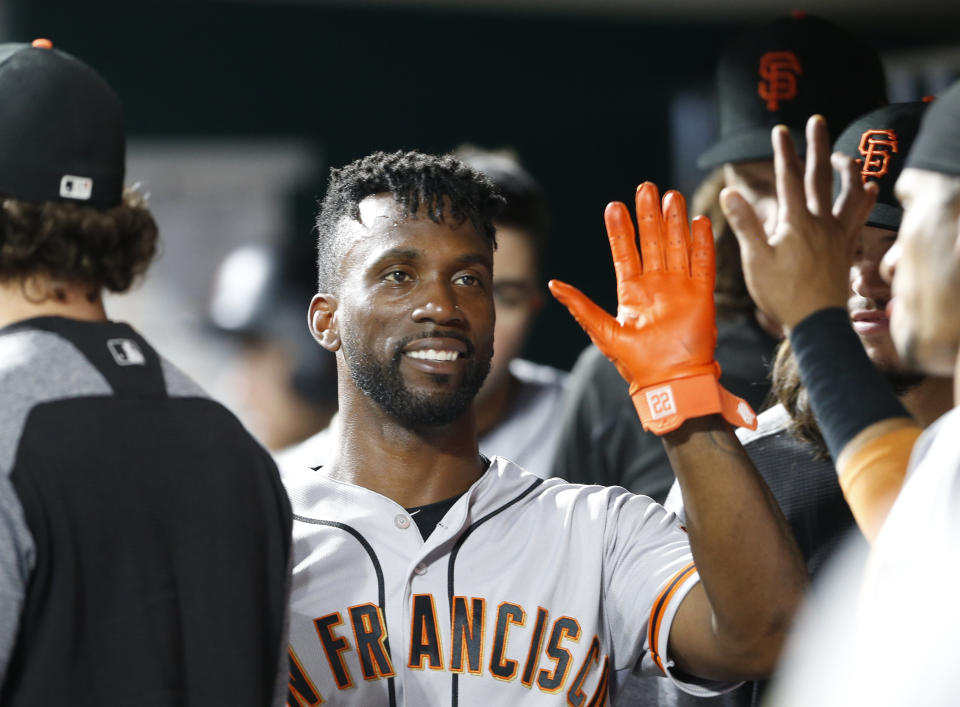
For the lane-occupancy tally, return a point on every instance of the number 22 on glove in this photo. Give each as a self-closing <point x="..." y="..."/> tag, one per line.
<point x="663" y="338"/>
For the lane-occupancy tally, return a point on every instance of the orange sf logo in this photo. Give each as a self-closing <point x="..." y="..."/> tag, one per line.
<point x="779" y="71"/>
<point x="876" y="146"/>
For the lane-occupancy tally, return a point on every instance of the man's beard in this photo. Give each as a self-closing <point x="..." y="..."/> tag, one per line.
<point x="383" y="383"/>
<point x="900" y="376"/>
<point x="899" y="373"/>
<point x="902" y="381"/>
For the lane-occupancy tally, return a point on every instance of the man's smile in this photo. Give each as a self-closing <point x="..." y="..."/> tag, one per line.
<point x="433" y="355"/>
<point x="437" y="352"/>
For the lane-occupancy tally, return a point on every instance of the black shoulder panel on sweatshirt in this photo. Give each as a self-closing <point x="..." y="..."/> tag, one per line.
<point x="162" y="534"/>
<point x="123" y="357"/>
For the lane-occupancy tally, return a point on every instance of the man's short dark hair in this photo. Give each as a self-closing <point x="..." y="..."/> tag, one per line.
<point x="438" y="185"/>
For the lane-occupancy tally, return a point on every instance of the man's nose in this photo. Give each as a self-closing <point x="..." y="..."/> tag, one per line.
<point x="865" y="280"/>
<point x="438" y="304"/>
<point x="888" y="266"/>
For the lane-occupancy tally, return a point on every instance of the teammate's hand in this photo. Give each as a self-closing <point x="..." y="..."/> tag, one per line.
<point x="665" y="332"/>
<point x="804" y="266"/>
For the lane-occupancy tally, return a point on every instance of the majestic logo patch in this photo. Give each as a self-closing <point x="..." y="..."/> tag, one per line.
<point x="779" y="71"/>
<point x="876" y="146"/>
<point x="74" y="187"/>
<point x="126" y="352"/>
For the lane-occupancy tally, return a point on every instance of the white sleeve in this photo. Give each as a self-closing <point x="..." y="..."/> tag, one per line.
<point x="674" y="501"/>
<point x="16" y="565"/>
<point x="648" y="570"/>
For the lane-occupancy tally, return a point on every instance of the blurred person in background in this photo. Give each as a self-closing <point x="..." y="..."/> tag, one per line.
<point x="787" y="447"/>
<point x="778" y="73"/>
<point x="144" y="534"/>
<point x="516" y="406"/>
<point x="280" y="386"/>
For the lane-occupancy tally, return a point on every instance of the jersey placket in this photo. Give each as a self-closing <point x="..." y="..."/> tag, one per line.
<point x="424" y="599"/>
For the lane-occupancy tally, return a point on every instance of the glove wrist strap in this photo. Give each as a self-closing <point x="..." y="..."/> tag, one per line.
<point x="664" y="407"/>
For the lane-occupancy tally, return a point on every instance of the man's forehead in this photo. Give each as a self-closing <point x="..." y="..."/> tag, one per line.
<point x="386" y="226"/>
<point x="871" y="234"/>
<point x="382" y="213"/>
<point x="380" y="216"/>
<point x="752" y="169"/>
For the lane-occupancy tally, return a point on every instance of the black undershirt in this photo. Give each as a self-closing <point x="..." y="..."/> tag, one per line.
<point x="429" y="515"/>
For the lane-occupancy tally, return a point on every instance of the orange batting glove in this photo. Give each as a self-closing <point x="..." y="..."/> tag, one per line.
<point x="665" y="333"/>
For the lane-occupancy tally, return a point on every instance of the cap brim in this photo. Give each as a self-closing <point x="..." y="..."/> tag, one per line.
<point x="885" y="216"/>
<point x="746" y="146"/>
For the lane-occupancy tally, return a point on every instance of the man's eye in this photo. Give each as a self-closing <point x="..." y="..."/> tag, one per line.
<point x="468" y="280"/>
<point x="397" y="276"/>
<point x="512" y="294"/>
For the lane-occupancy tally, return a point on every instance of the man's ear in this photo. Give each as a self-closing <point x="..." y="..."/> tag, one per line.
<point x="322" y="321"/>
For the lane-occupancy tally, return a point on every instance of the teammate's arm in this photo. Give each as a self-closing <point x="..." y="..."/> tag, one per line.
<point x="800" y="276"/>
<point x="732" y="625"/>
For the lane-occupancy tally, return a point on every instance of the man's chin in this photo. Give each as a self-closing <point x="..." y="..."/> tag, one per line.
<point x="902" y="380"/>
<point x="925" y="356"/>
<point x="439" y="401"/>
<point x="419" y="411"/>
<point x="425" y="398"/>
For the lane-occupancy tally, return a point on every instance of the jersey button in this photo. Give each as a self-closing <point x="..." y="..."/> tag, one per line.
<point x="420" y="569"/>
<point x="402" y="521"/>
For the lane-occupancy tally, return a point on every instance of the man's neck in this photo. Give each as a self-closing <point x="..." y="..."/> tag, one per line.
<point x="18" y="302"/>
<point x="413" y="467"/>
<point x="929" y="399"/>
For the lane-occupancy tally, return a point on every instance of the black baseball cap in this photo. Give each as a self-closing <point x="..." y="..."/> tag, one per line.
<point x="938" y="144"/>
<point x="880" y="142"/>
<point x="61" y="128"/>
<point x="784" y="72"/>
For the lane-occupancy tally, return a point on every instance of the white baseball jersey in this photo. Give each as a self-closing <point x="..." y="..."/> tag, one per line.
<point x="928" y="504"/>
<point x="528" y="592"/>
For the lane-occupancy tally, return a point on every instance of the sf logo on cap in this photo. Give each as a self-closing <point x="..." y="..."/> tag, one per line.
<point x="876" y="147"/>
<point x="779" y="71"/>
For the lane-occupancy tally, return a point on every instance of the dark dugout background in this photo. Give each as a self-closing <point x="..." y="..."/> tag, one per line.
<point x="584" y="99"/>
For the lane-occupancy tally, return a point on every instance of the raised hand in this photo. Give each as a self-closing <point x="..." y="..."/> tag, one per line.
<point x="804" y="265"/>
<point x="663" y="338"/>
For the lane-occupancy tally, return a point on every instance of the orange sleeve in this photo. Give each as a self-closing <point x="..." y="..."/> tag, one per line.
<point x="872" y="476"/>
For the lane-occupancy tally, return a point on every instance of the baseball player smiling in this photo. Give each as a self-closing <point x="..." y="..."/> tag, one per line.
<point x="426" y="574"/>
